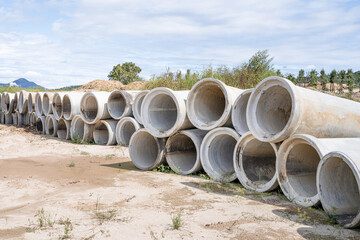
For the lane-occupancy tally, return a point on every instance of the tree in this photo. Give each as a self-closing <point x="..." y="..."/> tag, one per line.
<point x="332" y="79"/>
<point x="125" y="73"/>
<point x="301" y="76"/>
<point x="342" y="80"/>
<point x="323" y="79"/>
<point x="291" y="78"/>
<point x="350" y="80"/>
<point x="313" y="78"/>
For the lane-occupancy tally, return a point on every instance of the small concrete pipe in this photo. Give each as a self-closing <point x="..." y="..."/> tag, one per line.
<point x="146" y="151"/>
<point x="104" y="132"/>
<point x="120" y="103"/>
<point x="40" y="124"/>
<point x="82" y="130"/>
<point x="51" y="125"/>
<point x="8" y="118"/>
<point x="57" y="108"/>
<point x="297" y="163"/>
<point x="209" y="104"/>
<point x="216" y="154"/>
<point x="163" y="112"/>
<point x="47" y="103"/>
<point x="278" y="109"/>
<point x="93" y="107"/>
<point x="23" y="101"/>
<point x="136" y="107"/>
<point x="338" y="184"/>
<point x="183" y="151"/>
<point x="238" y="112"/>
<point x="38" y="104"/>
<point x="71" y="104"/>
<point x="9" y="102"/>
<point x="14" y="119"/>
<point x="63" y="129"/>
<point x="31" y="101"/>
<point x="125" y="128"/>
<point x="255" y="163"/>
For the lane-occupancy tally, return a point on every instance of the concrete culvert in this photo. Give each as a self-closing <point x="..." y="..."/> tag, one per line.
<point x="63" y="129"/>
<point x="16" y="97"/>
<point x="31" y="101"/>
<point x="183" y="151"/>
<point x="47" y="103"/>
<point x="8" y="118"/>
<point x="146" y="151"/>
<point x="93" y="107"/>
<point x="338" y="182"/>
<point x="277" y="109"/>
<point x="2" y="117"/>
<point x="238" y="112"/>
<point x="51" y="125"/>
<point x="27" y="118"/>
<point x="77" y="128"/>
<point x="21" y="118"/>
<point x="71" y="104"/>
<point x="120" y="103"/>
<point x="40" y="124"/>
<point x="209" y="104"/>
<point x="164" y="112"/>
<point x="38" y="104"/>
<point x="14" y="119"/>
<point x="216" y="154"/>
<point x="125" y="128"/>
<point x="22" y="101"/>
<point x="8" y="104"/>
<point x="255" y="163"/>
<point x="104" y="132"/>
<point x="136" y="107"/>
<point x="33" y="118"/>
<point x="57" y="105"/>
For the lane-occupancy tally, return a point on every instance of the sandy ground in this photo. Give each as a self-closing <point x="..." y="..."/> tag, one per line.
<point x="53" y="189"/>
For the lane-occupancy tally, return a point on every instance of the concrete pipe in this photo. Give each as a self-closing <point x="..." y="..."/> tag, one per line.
<point x="3" y="106"/>
<point x="16" y="97"/>
<point x="183" y="151"/>
<point x="57" y="108"/>
<point x="40" y="124"/>
<point x="255" y="163"/>
<point x="33" y="118"/>
<point x="77" y="128"/>
<point x="27" y="118"/>
<point x="88" y="132"/>
<point x="216" y="154"/>
<point x="297" y="163"/>
<point x="125" y="128"/>
<point x="51" y="125"/>
<point x="2" y="117"/>
<point x="23" y="101"/>
<point x="278" y="109"/>
<point x="238" y="112"/>
<point x="93" y="107"/>
<point x="120" y="103"/>
<point x="146" y="151"/>
<point x="21" y="118"/>
<point x="63" y="129"/>
<point x="338" y="184"/>
<point x="31" y="101"/>
<point x="136" y="107"/>
<point x="104" y="132"/>
<point x="209" y="104"/>
<point x="39" y="104"/>
<point x="164" y="112"/>
<point x="8" y="118"/>
<point x="71" y="104"/>
<point x="8" y="104"/>
<point x="14" y="119"/>
<point x="47" y="103"/>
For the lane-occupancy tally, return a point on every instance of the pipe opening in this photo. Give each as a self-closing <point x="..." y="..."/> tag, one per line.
<point x="220" y="154"/>
<point x="301" y="166"/>
<point x="62" y="129"/>
<point x="239" y="114"/>
<point x="90" y="108"/>
<point x="116" y="104"/>
<point x="144" y="150"/>
<point x="46" y="104"/>
<point x="259" y="161"/>
<point x="127" y="130"/>
<point x="162" y="112"/>
<point x="57" y="106"/>
<point x="39" y="125"/>
<point x="181" y="153"/>
<point x="66" y="107"/>
<point x="274" y="109"/>
<point x="78" y="129"/>
<point x="339" y="190"/>
<point x="101" y="134"/>
<point x="50" y="127"/>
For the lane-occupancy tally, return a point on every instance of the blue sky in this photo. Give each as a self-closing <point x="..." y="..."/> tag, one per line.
<point x="61" y="43"/>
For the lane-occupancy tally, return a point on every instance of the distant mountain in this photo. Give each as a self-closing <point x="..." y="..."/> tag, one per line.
<point x="22" y="83"/>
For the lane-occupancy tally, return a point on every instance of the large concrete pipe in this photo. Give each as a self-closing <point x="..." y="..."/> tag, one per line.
<point x="33" y="119"/>
<point x="51" y="125"/>
<point x="23" y="101"/>
<point x="3" y="107"/>
<point x="81" y="130"/>
<point x="278" y="109"/>
<point x="63" y="130"/>
<point x="57" y="108"/>
<point x="164" y="112"/>
<point x="125" y="128"/>
<point x="20" y="118"/>
<point x="338" y="184"/>
<point x="38" y="104"/>
<point x="146" y="151"/>
<point x="255" y="163"/>
<point x="93" y="107"/>
<point x="209" y="104"/>
<point x="14" y="119"/>
<point x="2" y="116"/>
<point x="238" y="112"/>
<point x="9" y="102"/>
<point x="40" y="124"/>
<point x="120" y="103"/>
<point x="216" y="154"/>
<point x="16" y="97"/>
<point x="297" y="163"/>
<point x="31" y="101"/>
<point x="8" y="118"/>
<point x="183" y="151"/>
<point x="71" y="104"/>
<point x="27" y="118"/>
<point x="47" y="103"/>
<point x="104" y="132"/>
<point x="136" y="107"/>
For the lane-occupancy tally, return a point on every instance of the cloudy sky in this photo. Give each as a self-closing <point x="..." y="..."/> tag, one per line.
<point x="61" y="43"/>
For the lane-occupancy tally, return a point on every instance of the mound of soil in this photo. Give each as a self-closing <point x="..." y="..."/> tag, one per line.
<point x="108" y="85"/>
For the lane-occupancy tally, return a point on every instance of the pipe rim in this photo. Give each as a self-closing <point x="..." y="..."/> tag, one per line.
<point x="136" y="109"/>
<point x="47" y="103"/>
<point x="56" y="98"/>
<point x="125" y="97"/>
<point x="240" y="128"/>
<point x="192" y="113"/>
<point x="110" y="133"/>
<point x="38" y="104"/>
<point x="50" y="121"/>
<point x="40" y="119"/>
<point x="251" y="111"/>
<point x="84" y="99"/>
<point x="119" y="126"/>
<point x="74" y="126"/>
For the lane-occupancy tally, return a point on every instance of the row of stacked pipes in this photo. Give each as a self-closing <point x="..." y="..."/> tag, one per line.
<point x="277" y="134"/>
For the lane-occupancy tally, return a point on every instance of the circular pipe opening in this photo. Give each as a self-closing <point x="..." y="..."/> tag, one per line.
<point x="78" y="128"/>
<point x="66" y="107"/>
<point x="62" y="129"/>
<point x="126" y="131"/>
<point x="39" y="125"/>
<point x="50" y="127"/>
<point x="239" y="113"/>
<point x="89" y="107"/>
<point x="46" y="104"/>
<point x="57" y="106"/>
<point x="38" y="105"/>
<point x="162" y="112"/>
<point x="116" y="104"/>
<point x="101" y="133"/>
<point x="144" y="150"/>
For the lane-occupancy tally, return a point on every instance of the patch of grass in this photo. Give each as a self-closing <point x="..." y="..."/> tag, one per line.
<point x="85" y="153"/>
<point x="103" y="215"/>
<point x="109" y="156"/>
<point x="72" y="164"/>
<point x="163" y="168"/>
<point x="177" y="222"/>
<point x="44" y="220"/>
<point x="68" y="227"/>
<point x="78" y="140"/>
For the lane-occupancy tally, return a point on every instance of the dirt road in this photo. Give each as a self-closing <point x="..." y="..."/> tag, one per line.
<point x="53" y="189"/>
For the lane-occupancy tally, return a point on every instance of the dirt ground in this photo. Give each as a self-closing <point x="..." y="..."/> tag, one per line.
<point x="53" y="189"/>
